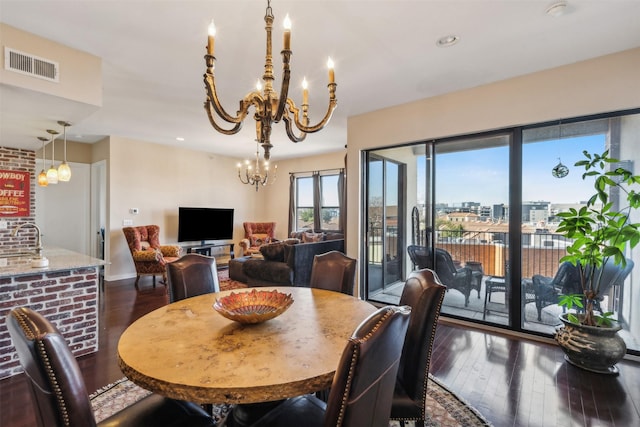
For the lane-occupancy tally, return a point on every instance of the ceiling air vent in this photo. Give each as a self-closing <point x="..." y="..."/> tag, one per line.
<point x="31" y="65"/>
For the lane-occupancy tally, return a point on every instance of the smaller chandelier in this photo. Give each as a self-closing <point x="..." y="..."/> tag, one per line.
<point x="252" y="174"/>
<point x="269" y="106"/>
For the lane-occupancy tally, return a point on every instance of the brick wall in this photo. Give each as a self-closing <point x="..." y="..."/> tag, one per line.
<point x="19" y="160"/>
<point x="67" y="298"/>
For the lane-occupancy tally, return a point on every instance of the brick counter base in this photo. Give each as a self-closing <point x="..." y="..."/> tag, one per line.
<point x="68" y="298"/>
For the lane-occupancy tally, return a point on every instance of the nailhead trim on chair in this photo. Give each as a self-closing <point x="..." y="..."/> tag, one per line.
<point x="354" y="360"/>
<point x="41" y="349"/>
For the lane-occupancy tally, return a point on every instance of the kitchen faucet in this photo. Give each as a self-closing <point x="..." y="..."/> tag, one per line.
<point x="38" y="249"/>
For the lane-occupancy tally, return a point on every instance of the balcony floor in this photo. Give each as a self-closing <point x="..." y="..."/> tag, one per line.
<point x="454" y="305"/>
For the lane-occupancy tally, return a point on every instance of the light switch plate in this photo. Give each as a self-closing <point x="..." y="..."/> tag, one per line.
<point x="126" y="222"/>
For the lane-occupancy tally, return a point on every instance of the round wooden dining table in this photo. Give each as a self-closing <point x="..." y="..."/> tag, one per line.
<point x="186" y="350"/>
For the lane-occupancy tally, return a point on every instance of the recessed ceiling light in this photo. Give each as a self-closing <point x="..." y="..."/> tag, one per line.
<point x="556" y="9"/>
<point x="447" y="41"/>
<point x="179" y="138"/>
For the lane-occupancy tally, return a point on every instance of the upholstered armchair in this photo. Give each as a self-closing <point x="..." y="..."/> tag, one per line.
<point x="257" y="234"/>
<point x="149" y="256"/>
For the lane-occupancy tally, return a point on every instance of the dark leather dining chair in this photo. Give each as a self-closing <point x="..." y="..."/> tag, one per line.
<point x="59" y="394"/>
<point x="424" y="293"/>
<point x="363" y="383"/>
<point x="192" y="275"/>
<point x="333" y="271"/>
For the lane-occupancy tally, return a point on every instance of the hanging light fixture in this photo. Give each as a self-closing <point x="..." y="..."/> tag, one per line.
<point x="560" y="170"/>
<point x="253" y="175"/>
<point x="269" y="107"/>
<point x="42" y="177"/>
<point x="52" y="173"/>
<point x="64" y="171"/>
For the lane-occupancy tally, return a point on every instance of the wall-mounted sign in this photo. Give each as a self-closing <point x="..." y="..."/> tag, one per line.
<point x="15" y="193"/>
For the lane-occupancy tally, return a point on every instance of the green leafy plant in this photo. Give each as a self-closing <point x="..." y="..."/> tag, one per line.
<point x="601" y="232"/>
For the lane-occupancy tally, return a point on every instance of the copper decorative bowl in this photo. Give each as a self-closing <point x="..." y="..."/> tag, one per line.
<point x="253" y="306"/>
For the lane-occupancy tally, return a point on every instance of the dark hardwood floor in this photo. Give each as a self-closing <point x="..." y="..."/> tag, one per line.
<point x="512" y="382"/>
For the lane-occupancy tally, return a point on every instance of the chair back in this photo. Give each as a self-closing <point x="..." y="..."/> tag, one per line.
<point x="142" y="237"/>
<point x="192" y="275"/>
<point x="613" y="274"/>
<point x="362" y="387"/>
<point x="424" y="293"/>
<point x="567" y="279"/>
<point x="333" y="271"/>
<point x="59" y="394"/>
<point x="444" y="266"/>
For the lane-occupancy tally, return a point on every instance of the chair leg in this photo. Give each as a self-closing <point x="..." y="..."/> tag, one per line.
<point x="154" y="281"/>
<point x="137" y="280"/>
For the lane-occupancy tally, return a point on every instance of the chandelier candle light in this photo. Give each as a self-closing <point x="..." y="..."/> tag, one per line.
<point x="269" y="108"/>
<point x="252" y="175"/>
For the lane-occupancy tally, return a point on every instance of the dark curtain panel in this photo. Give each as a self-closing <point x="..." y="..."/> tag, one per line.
<point x="292" y="204"/>
<point x="317" y="215"/>
<point x="342" y="202"/>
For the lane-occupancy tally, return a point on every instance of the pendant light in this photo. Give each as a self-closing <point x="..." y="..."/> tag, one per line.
<point x="42" y="177"/>
<point x="64" y="171"/>
<point x="52" y="173"/>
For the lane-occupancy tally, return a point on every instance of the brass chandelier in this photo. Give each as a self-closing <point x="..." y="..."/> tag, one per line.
<point x="252" y="174"/>
<point x="269" y="107"/>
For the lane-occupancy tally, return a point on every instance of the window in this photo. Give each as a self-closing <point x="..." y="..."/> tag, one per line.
<point x="486" y="206"/>
<point x="318" y="202"/>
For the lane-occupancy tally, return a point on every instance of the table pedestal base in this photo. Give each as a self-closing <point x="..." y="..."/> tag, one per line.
<point x="246" y="414"/>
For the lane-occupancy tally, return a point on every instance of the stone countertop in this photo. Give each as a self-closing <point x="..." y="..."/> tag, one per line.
<point x="59" y="259"/>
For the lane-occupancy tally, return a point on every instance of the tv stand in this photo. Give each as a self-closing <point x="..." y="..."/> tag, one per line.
<point x="211" y="249"/>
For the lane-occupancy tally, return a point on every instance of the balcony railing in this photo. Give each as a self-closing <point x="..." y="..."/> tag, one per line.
<point x="540" y="252"/>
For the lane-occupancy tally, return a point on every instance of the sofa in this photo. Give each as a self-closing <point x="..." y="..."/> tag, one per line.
<point x="284" y="263"/>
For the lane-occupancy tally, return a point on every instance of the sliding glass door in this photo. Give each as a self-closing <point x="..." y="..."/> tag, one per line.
<point x="483" y="212"/>
<point x="386" y="224"/>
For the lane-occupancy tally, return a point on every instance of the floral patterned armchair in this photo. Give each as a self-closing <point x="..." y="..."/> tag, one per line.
<point x="149" y="256"/>
<point x="257" y="234"/>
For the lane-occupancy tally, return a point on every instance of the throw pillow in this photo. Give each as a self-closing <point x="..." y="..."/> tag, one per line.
<point x="273" y="251"/>
<point x="258" y="240"/>
<point x="312" y="237"/>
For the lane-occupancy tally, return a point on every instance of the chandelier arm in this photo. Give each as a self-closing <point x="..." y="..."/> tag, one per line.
<point x="292" y="136"/>
<point x="232" y="131"/>
<point x="333" y="102"/>
<point x="213" y="101"/>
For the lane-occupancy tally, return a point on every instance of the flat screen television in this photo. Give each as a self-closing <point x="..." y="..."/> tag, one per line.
<point x="200" y="224"/>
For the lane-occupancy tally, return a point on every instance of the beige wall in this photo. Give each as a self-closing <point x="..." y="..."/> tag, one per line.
<point x="80" y="73"/>
<point x="157" y="179"/>
<point x="604" y="84"/>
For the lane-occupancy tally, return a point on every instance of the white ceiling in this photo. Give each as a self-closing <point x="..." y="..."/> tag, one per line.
<point x="385" y="54"/>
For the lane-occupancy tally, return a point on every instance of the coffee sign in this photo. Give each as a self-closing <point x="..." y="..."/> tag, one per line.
<point x="15" y="193"/>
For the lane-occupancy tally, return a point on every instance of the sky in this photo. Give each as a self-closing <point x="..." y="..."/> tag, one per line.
<point x="482" y="175"/>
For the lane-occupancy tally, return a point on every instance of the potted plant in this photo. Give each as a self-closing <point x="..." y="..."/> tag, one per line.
<point x="602" y="231"/>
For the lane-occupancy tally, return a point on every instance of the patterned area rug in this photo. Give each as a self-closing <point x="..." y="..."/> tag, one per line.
<point x="445" y="409"/>
<point x="226" y="283"/>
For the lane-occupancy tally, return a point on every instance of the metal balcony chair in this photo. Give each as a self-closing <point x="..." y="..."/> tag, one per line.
<point x="454" y="278"/>
<point x="567" y="281"/>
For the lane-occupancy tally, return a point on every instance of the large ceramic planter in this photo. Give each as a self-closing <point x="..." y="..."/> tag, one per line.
<point x="595" y="349"/>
